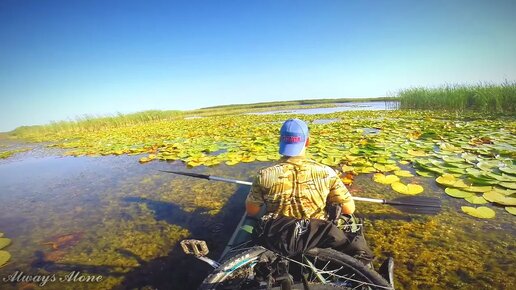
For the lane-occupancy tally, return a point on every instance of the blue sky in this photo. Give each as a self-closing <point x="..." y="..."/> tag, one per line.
<point x="62" y="59"/>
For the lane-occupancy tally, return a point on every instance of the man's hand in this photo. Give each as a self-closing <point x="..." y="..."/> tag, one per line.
<point x="348" y="207"/>
<point x="252" y="209"/>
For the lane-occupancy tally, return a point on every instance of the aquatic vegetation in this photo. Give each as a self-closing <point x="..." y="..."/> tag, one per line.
<point x="479" y="212"/>
<point x="410" y="189"/>
<point x="4" y="255"/>
<point x="385" y="179"/>
<point x="64" y="241"/>
<point x="470" y="151"/>
<point x="9" y="153"/>
<point x="458" y="193"/>
<point x="483" y="97"/>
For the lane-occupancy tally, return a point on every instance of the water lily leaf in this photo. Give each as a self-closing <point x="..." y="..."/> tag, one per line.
<point x="4" y="242"/>
<point x="417" y="153"/>
<point x="496" y="197"/>
<point x="423" y="173"/>
<point x="508" y="169"/>
<point x="4" y="257"/>
<point x="502" y="177"/>
<point x="404" y="162"/>
<point x="380" y="178"/>
<point x="509" y="185"/>
<point x="478" y="188"/>
<point x="385" y="168"/>
<point x="504" y="191"/>
<point x="457" y="193"/>
<point x="403" y="173"/>
<point x="481" y="180"/>
<point x="479" y="212"/>
<point x="450" y="180"/>
<point x="231" y="162"/>
<point x="410" y="188"/>
<point x="347" y="168"/>
<point x="450" y="159"/>
<point x="470" y="158"/>
<point x="367" y="169"/>
<point x="511" y="209"/>
<point x="262" y="158"/>
<point x="450" y="148"/>
<point x="476" y="199"/>
<point x="458" y="171"/>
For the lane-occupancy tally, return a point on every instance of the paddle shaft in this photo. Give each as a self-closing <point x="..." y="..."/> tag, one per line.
<point x="241" y="182"/>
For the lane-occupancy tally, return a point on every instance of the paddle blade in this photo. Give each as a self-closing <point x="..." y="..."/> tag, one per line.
<point x="416" y="204"/>
<point x="196" y="175"/>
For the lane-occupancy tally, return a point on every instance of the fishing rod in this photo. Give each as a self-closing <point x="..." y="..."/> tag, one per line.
<point x="409" y="204"/>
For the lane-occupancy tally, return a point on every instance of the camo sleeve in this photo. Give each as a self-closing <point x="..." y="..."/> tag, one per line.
<point x="338" y="191"/>
<point x="256" y="193"/>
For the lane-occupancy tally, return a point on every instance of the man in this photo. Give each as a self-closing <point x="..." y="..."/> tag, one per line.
<point x="296" y="193"/>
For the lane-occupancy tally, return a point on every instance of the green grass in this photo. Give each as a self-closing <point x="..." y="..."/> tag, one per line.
<point x="490" y="98"/>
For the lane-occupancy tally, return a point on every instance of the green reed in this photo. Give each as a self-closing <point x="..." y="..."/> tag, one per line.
<point x="484" y="97"/>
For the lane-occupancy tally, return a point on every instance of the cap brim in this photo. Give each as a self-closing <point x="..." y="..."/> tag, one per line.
<point x="291" y="149"/>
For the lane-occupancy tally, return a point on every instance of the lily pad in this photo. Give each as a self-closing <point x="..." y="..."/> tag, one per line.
<point x="385" y="168"/>
<point x="457" y="193"/>
<point x="494" y="196"/>
<point x="424" y="173"/>
<point x="4" y="242"/>
<point x="4" y="257"/>
<point x="478" y="188"/>
<point x="450" y="159"/>
<point x="450" y="180"/>
<point x="410" y="189"/>
<point x="482" y="212"/>
<point x="508" y="169"/>
<point x="476" y="199"/>
<point x="385" y="179"/>
<point x="511" y="209"/>
<point x="504" y="191"/>
<point x="417" y="153"/>
<point x="509" y="185"/>
<point x="403" y="173"/>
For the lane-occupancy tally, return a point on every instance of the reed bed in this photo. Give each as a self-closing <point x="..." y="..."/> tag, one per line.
<point x="491" y="98"/>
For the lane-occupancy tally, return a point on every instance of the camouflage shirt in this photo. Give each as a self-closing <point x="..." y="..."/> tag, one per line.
<point x="297" y="187"/>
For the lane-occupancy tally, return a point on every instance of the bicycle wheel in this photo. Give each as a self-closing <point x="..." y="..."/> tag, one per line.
<point x="237" y="272"/>
<point x="320" y="268"/>
<point x="330" y="267"/>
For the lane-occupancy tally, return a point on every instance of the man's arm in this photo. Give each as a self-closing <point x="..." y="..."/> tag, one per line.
<point x="254" y="201"/>
<point x="340" y="194"/>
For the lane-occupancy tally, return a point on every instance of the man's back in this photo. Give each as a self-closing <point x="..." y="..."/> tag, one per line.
<point x="297" y="187"/>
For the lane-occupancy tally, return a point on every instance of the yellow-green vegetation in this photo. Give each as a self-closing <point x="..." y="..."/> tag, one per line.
<point x="469" y="153"/>
<point x="483" y="97"/>
<point x="91" y="123"/>
<point x="9" y="153"/>
<point x="4" y="255"/>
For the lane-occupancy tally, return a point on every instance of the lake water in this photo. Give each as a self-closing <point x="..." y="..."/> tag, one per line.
<point x="340" y="107"/>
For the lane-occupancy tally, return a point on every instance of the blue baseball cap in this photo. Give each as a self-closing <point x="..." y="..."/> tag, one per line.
<point x="293" y="136"/>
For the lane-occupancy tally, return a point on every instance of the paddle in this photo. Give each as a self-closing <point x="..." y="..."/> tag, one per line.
<point x="408" y="204"/>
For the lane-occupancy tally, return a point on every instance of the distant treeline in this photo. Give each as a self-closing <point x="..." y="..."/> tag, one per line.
<point x="490" y="98"/>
